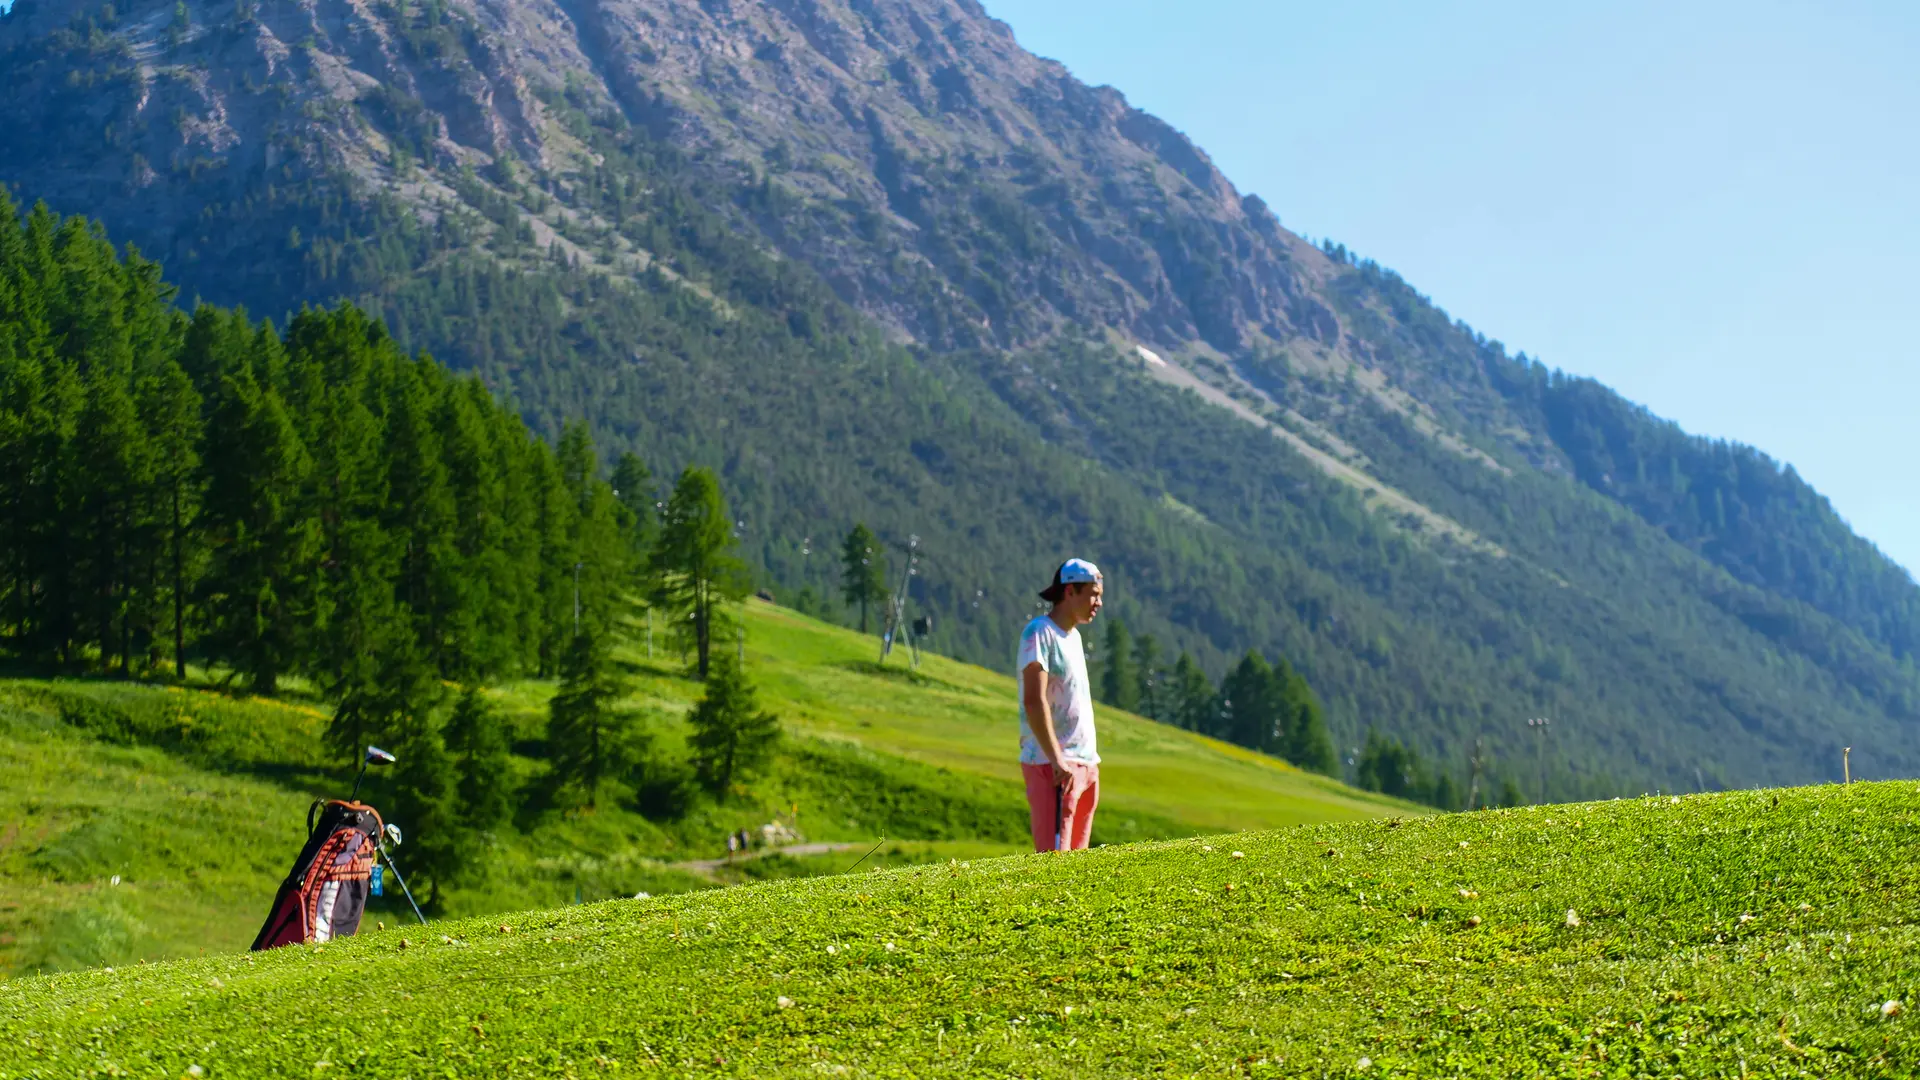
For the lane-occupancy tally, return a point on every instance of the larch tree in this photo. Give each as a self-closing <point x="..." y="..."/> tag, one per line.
<point x="694" y="575"/>
<point x="730" y="737"/>
<point x="863" y="571"/>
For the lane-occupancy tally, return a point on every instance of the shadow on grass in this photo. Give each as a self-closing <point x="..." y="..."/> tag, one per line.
<point x="899" y="672"/>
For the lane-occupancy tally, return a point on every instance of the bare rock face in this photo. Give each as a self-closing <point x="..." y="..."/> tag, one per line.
<point x="957" y="188"/>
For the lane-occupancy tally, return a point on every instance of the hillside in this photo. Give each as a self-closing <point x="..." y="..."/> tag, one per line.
<point x="876" y="263"/>
<point x="1555" y="940"/>
<point x="149" y="822"/>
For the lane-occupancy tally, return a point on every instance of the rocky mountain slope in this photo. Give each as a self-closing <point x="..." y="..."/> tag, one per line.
<point x="878" y="262"/>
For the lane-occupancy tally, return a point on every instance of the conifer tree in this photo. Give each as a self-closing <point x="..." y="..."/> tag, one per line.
<point x="863" y="571"/>
<point x="170" y="407"/>
<point x="1248" y="692"/>
<point x="694" y="574"/>
<point x="481" y="640"/>
<point x="588" y="738"/>
<point x="478" y="740"/>
<point x="1193" y="695"/>
<point x="554" y="534"/>
<point x="112" y="469"/>
<point x="1150" y="695"/>
<point x="633" y="486"/>
<point x="263" y="540"/>
<point x="1308" y="743"/>
<point x="356" y="621"/>
<point x="388" y="703"/>
<point x="426" y="806"/>
<point x="420" y="518"/>
<point x="730" y="736"/>
<point x="1118" y="685"/>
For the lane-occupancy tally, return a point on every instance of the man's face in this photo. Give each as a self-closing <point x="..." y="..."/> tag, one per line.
<point x="1084" y="601"/>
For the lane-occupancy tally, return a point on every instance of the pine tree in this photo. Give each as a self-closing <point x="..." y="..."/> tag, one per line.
<point x="420" y="516"/>
<point x="483" y="641"/>
<point x="1308" y="743"/>
<point x="589" y="739"/>
<point x="111" y="470"/>
<point x="426" y="806"/>
<point x="1118" y="685"/>
<point x="863" y="571"/>
<point x="730" y="736"/>
<point x="633" y="487"/>
<point x="1249" y="692"/>
<point x="1193" y="695"/>
<point x="1151" y="693"/>
<point x="170" y="407"/>
<point x="553" y="532"/>
<point x="478" y="740"/>
<point x="356" y="623"/>
<point x="398" y="689"/>
<point x="257" y="590"/>
<point x="693" y="573"/>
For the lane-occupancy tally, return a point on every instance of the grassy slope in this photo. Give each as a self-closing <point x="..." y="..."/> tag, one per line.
<point x="1324" y="945"/>
<point x="824" y="680"/>
<point x="197" y="800"/>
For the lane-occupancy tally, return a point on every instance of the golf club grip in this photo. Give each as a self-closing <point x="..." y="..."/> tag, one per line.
<point x="1059" y="815"/>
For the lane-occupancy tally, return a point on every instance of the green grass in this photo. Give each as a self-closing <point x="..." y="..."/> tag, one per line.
<point x="1745" y="934"/>
<point x="197" y="799"/>
<point x="197" y="854"/>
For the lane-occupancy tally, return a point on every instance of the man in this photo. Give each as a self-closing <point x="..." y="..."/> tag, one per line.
<point x="1058" y="753"/>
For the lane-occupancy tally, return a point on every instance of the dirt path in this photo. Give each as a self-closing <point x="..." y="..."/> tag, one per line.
<point x="706" y="867"/>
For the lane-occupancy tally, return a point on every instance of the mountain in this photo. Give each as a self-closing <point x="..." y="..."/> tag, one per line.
<point x="876" y="262"/>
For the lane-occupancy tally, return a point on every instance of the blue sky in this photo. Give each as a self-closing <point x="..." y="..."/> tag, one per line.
<point x="1712" y="207"/>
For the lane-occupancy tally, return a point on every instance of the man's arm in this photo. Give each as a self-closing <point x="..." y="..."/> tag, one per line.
<point x="1033" y="689"/>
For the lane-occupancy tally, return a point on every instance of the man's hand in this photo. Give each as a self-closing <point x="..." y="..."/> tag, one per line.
<point x="1065" y="774"/>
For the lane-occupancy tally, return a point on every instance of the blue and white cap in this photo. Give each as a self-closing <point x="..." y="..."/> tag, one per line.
<point x="1071" y="572"/>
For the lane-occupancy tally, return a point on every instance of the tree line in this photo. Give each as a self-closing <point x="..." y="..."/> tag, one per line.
<point x="315" y="506"/>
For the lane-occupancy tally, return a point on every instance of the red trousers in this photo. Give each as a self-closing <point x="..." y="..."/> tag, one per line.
<point x="1070" y="815"/>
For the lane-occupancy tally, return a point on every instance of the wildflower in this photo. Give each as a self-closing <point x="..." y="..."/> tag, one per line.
<point x="831" y="950"/>
<point x="1206" y="847"/>
<point x="1239" y="854"/>
<point x="1473" y="920"/>
<point x="1463" y="843"/>
<point x="1890" y="1010"/>
<point x="1469" y="894"/>
<point x="1573" y="918"/>
<point x="1364" y="1063"/>
<point x="889" y="946"/>
<point x="1744" y="918"/>
<point x="784" y="1001"/>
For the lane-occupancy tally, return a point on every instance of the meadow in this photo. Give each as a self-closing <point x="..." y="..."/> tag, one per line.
<point x="1753" y="934"/>
<point x="147" y="822"/>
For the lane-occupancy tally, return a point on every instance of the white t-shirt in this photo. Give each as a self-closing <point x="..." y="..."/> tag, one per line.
<point x="1069" y="695"/>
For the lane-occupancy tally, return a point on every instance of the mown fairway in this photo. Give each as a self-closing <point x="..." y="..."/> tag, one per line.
<point x="1756" y="934"/>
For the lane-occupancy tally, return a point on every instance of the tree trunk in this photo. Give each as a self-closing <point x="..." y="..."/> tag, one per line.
<point x="179" y="614"/>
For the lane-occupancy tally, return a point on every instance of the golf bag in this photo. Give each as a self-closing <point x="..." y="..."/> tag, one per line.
<point x="326" y="892"/>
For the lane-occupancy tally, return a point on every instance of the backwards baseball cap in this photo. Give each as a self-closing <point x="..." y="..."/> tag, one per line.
<point x="1071" y="572"/>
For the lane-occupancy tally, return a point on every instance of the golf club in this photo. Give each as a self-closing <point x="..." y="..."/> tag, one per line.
<point x="1059" y="811"/>
<point x="392" y="832"/>
<point x="374" y="756"/>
